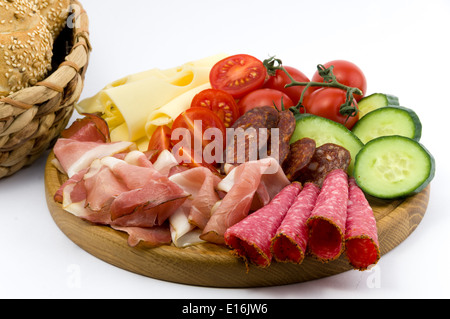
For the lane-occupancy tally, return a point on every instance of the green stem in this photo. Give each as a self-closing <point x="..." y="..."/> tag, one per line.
<point x="272" y="65"/>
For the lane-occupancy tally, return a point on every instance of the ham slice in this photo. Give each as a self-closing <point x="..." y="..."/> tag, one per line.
<point x="240" y="186"/>
<point x="76" y="155"/>
<point x="187" y="223"/>
<point x="115" y="192"/>
<point x="154" y="236"/>
<point x="201" y="183"/>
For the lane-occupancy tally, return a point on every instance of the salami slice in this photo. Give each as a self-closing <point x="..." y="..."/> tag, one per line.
<point x="361" y="237"/>
<point x="301" y="153"/>
<point x="286" y="126"/>
<point x="326" y="158"/>
<point x="251" y="134"/>
<point x="290" y="241"/>
<point x="250" y="238"/>
<point x="327" y="221"/>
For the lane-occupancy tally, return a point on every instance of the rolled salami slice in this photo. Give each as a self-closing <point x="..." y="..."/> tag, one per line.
<point x="361" y="237"/>
<point x="290" y="241"/>
<point x="327" y="221"/>
<point x="250" y="238"/>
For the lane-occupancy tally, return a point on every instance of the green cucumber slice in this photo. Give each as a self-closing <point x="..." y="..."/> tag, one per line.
<point x="393" y="166"/>
<point x="389" y="120"/>
<point x="375" y="101"/>
<point x="324" y="131"/>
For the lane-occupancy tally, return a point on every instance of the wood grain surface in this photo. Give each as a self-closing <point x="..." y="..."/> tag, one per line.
<point x="212" y="265"/>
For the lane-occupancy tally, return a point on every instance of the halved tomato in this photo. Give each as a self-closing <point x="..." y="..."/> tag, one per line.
<point x="238" y="75"/>
<point x="202" y="128"/>
<point x="161" y="139"/>
<point x="220" y="102"/>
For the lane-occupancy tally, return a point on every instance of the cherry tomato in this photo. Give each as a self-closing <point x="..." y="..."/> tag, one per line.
<point x="161" y="139"/>
<point x="220" y="102"/>
<point x="195" y="121"/>
<point x="238" y="75"/>
<point x="279" y="81"/>
<point x="326" y="102"/>
<point x="346" y="73"/>
<point x="264" y="97"/>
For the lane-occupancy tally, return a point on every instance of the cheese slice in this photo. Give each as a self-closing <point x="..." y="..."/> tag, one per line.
<point x="169" y="112"/>
<point x="126" y="104"/>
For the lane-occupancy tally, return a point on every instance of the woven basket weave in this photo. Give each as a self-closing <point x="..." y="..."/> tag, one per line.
<point x="32" y="119"/>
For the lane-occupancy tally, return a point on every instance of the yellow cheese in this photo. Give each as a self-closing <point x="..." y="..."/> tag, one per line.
<point x="169" y="112"/>
<point x="127" y="103"/>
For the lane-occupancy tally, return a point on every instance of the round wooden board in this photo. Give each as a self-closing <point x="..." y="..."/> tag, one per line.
<point x="212" y="265"/>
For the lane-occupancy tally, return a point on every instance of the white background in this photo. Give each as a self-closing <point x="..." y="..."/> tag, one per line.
<point x="402" y="47"/>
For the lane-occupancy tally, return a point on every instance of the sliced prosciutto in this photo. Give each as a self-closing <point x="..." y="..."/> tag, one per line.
<point x="251" y="237"/>
<point x="240" y="186"/>
<point x="291" y="239"/>
<point x="74" y="155"/>
<point x="113" y="192"/>
<point x="327" y="221"/>
<point x="154" y="236"/>
<point x="201" y="184"/>
<point x="90" y="128"/>
<point x="361" y="236"/>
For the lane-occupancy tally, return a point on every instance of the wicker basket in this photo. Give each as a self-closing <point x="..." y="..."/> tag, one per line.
<point x="32" y="119"/>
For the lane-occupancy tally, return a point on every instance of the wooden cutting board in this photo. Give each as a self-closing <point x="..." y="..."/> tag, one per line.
<point x="212" y="265"/>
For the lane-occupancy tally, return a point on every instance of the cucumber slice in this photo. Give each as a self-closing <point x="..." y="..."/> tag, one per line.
<point x="375" y="101"/>
<point x="393" y="166"/>
<point x="389" y="120"/>
<point x="324" y="131"/>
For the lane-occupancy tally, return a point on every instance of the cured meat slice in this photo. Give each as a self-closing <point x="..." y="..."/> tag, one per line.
<point x="300" y="155"/>
<point x="201" y="184"/>
<point x="326" y="158"/>
<point x="90" y="128"/>
<point x="361" y="237"/>
<point x="240" y="185"/>
<point x="152" y="236"/>
<point x="290" y="242"/>
<point x="76" y="155"/>
<point x="251" y="135"/>
<point x="286" y="126"/>
<point x="251" y="237"/>
<point x="327" y="221"/>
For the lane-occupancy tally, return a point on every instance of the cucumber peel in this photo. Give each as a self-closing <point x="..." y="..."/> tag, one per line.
<point x="393" y="166"/>
<point x="324" y="131"/>
<point x="375" y="101"/>
<point x="388" y="120"/>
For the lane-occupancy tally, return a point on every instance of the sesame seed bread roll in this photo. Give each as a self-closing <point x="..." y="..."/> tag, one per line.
<point x="56" y="13"/>
<point x="25" y="46"/>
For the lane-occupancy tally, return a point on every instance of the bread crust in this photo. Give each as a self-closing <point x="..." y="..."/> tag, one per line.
<point x="25" y="46"/>
<point x="56" y="13"/>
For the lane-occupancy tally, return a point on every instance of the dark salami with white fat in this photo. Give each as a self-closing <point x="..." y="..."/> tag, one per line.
<point x="290" y="241"/>
<point x="300" y="154"/>
<point x="255" y="126"/>
<point x="327" y="221"/>
<point x="361" y="236"/>
<point x="286" y="127"/>
<point x="251" y="237"/>
<point x="326" y="158"/>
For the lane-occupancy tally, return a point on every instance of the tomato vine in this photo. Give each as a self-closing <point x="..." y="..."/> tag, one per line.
<point x="329" y="80"/>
